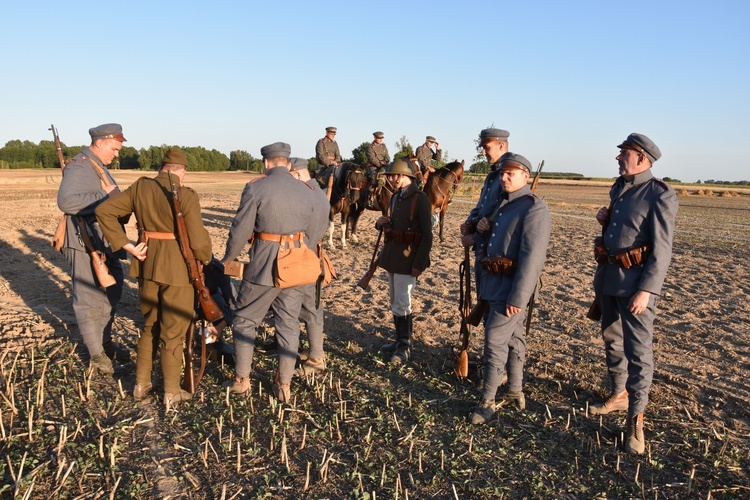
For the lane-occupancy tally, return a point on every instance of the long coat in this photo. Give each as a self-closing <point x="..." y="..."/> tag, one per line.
<point x="401" y="258"/>
<point x="149" y="198"/>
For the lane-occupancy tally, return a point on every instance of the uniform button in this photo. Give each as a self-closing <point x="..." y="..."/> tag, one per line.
<point x="620" y="199"/>
<point x="614" y="223"/>
<point x="610" y="235"/>
<point x="493" y="235"/>
<point x="617" y="211"/>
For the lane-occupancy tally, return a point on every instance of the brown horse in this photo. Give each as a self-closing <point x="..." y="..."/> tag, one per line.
<point x="439" y="185"/>
<point x="349" y="187"/>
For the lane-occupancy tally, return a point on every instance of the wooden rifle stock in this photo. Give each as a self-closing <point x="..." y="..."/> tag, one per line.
<point x="462" y="359"/>
<point x="210" y="310"/>
<point x="365" y="281"/>
<point x="97" y="259"/>
<point x="58" y="240"/>
<point x="58" y="147"/>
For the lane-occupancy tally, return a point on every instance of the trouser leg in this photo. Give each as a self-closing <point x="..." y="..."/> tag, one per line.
<point x="498" y="331"/>
<point x="93" y="306"/>
<point x="516" y="354"/>
<point x="149" y="339"/>
<point x="638" y="345"/>
<point x="617" y="363"/>
<point x="253" y="301"/>
<point x="312" y="317"/>
<point x="286" y="319"/>
<point x="176" y="304"/>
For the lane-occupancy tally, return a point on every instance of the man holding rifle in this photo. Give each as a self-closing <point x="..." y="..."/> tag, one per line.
<point x="407" y="230"/>
<point x="633" y="255"/>
<point x="167" y="294"/>
<point x="519" y="230"/>
<point x="85" y="184"/>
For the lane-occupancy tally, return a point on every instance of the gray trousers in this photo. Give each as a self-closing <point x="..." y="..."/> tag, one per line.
<point x="504" y="345"/>
<point x="93" y="305"/>
<point x="312" y="317"/>
<point x="253" y="302"/>
<point x="628" y="344"/>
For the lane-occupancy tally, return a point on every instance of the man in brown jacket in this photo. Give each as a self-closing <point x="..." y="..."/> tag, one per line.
<point x="407" y="229"/>
<point x="167" y="296"/>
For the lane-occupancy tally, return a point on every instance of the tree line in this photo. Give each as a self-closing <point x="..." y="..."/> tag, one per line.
<point x="26" y="154"/>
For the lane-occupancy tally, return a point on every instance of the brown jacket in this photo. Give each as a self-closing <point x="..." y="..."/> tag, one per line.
<point x="401" y="258"/>
<point x="150" y="199"/>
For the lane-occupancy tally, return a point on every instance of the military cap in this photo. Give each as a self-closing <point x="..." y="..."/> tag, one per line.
<point x="401" y="166"/>
<point x="492" y="133"/>
<point x="331" y="129"/>
<point x="175" y="155"/>
<point x="378" y="135"/>
<point x="298" y="163"/>
<point x="642" y="144"/>
<point x="277" y="149"/>
<point x="510" y="161"/>
<point x="107" y="131"/>
<point x="430" y="138"/>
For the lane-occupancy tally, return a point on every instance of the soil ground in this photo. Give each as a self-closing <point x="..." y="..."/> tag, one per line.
<point x="367" y="430"/>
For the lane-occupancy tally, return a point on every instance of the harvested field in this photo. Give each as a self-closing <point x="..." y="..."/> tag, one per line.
<point x="366" y="430"/>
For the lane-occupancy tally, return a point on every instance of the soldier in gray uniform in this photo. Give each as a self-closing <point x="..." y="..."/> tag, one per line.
<point x="425" y="155"/>
<point x="327" y="155"/>
<point x="86" y="183"/>
<point x="515" y="254"/>
<point x="275" y="208"/>
<point x="312" y="307"/>
<point x="633" y="255"/>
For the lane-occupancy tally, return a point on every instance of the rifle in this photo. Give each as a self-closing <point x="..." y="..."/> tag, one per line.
<point x="365" y="281"/>
<point x="462" y="359"/>
<point x="101" y="271"/>
<point x="211" y="311"/>
<point x="532" y="300"/>
<point x="58" y="240"/>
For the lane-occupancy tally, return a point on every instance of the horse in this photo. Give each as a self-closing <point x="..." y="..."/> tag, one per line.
<point x="439" y="185"/>
<point x="349" y="187"/>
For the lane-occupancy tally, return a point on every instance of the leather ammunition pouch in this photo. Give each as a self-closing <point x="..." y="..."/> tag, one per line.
<point x="499" y="265"/>
<point x="403" y="237"/>
<point x="625" y="259"/>
<point x="294" y="266"/>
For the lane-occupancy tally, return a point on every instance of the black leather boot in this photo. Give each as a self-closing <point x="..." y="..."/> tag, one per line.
<point x="391" y="347"/>
<point x="403" y="339"/>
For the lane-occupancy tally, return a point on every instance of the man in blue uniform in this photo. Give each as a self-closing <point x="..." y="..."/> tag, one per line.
<point x="515" y="253"/>
<point x="275" y="209"/>
<point x="633" y="255"/>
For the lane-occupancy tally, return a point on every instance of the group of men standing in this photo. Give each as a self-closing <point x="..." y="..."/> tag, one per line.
<point x="509" y="230"/>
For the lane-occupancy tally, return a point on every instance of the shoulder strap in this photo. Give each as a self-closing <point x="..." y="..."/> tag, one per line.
<point x="99" y="172"/>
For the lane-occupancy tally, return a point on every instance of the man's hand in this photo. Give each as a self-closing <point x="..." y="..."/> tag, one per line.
<point x="112" y="189"/>
<point x="602" y="216"/>
<point x="483" y="225"/>
<point x="466" y="228"/>
<point x="639" y="302"/>
<point x="137" y="251"/>
<point x="510" y="310"/>
<point x="467" y="240"/>
<point x="415" y="272"/>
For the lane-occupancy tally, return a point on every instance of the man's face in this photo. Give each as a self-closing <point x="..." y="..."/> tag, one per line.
<point x="331" y="135"/>
<point x="379" y="140"/>
<point x="395" y="180"/>
<point x="631" y="162"/>
<point x="429" y="144"/>
<point x="107" y="150"/>
<point x="513" y="179"/>
<point x="493" y="150"/>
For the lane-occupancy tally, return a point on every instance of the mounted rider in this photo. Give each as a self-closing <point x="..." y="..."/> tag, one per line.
<point x="377" y="161"/>
<point x="328" y="157"/>
<point x="424" y="156"/>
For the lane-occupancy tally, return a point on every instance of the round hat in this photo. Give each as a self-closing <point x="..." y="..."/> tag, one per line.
<point x="175" y="156"/>
<point x="401" y="166"/>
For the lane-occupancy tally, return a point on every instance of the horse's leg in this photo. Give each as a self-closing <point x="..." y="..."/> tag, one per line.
<point x="331" y="215"/>
<point x="443" y="209"/>
<point x="344" y="219"/>
<point x="354" y="218"/>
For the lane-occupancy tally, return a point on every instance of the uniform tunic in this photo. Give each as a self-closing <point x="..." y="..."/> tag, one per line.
<point x="327" y="151"/>
<point x="425" y="156"/>
<point x="520" y="232"/>
<point x="94" y="306"/>
<point x="642" y="213"/>
<point x="400" y="258"/>
<point x="277" y="204"/>
<point x="166" y="293"/>
<point x="377" y="155"/>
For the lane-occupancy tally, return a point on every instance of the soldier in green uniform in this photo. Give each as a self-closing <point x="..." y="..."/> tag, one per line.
<point x="377" y="161"/>
<point x="167" y="295"/>
<point x="425" y="154"/>
<point x="407" y="231"/>
<point x="328" y="156"/>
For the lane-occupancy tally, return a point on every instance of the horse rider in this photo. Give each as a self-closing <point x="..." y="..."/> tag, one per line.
<point x="377" y="161"/>
<point x="424" y="156"/>
<point x="328" y="156"/>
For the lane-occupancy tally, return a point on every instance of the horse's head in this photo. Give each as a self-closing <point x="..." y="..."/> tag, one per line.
<point x="356" y="181"/>
<point x="453" y="172"/>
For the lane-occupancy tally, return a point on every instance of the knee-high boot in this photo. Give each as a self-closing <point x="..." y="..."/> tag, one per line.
<point x="403" y="340"/>
<point x="391" y="347"/>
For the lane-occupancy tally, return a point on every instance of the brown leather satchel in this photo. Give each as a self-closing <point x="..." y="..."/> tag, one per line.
<point x="295" y="266"/>
<point x="329" y="273"/>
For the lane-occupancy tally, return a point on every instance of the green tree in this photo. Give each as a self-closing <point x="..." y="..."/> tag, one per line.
<point x="403" y="148"/>
<point x="240" y="160"/>
<point x="359" y="154"/>
<point x="480" y="167"/>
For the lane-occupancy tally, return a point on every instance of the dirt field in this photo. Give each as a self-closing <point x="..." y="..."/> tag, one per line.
<point x="368" y="431"/>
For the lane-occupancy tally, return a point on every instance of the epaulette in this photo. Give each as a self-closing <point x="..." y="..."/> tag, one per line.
<point x="257" y="179"/>
<point x="533" y="197"/>
<point x="661" y="183"/>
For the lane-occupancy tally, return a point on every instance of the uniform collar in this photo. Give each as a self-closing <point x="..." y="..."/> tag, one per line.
<point x="90" y="154"/>
<point x="408" y="191"/>
<point x="638" y="178"/>
<point x="524" y="191"/>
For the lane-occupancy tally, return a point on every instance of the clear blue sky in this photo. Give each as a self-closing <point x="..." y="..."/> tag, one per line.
<point x="569" y="80"/>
